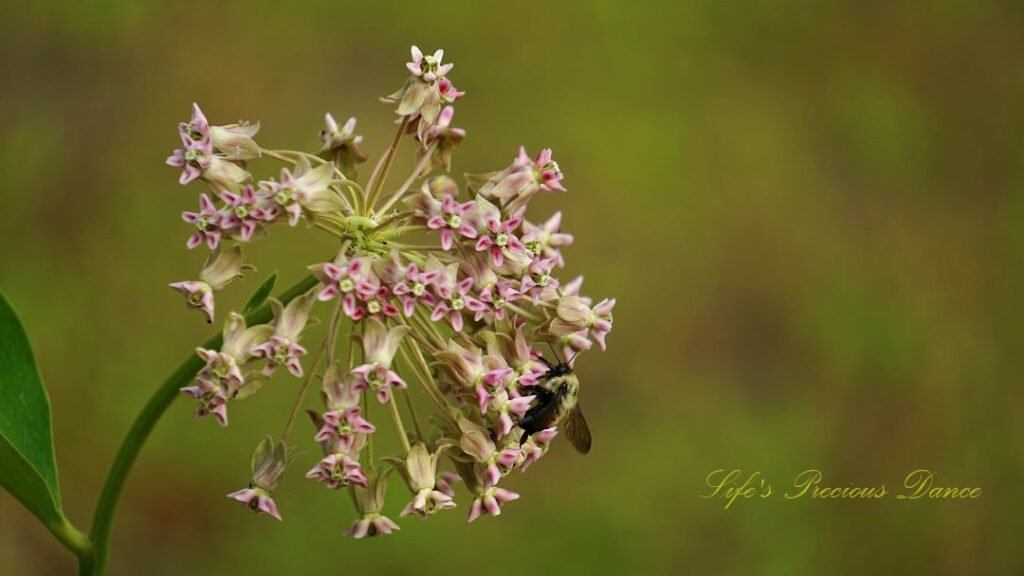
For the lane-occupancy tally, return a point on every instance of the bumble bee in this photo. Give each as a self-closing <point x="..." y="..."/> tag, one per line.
<point x="558" y="403"/>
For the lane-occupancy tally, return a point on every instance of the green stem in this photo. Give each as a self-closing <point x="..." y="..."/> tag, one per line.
<point x="421" y="167"/>
<point x="103" y="520"/>
<point x="399" y="426"/>
<point x="302" y="392"/>
<point x="422" y="372"/>
<point x="415" y="418"/>
<point x="380" y="171"/>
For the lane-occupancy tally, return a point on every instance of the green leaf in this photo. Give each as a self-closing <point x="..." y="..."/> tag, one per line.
<point x="29" y="469"/>
<point x="261" y="294"/>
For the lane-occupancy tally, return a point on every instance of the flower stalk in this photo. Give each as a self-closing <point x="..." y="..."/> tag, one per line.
<point x="476" y="292"/>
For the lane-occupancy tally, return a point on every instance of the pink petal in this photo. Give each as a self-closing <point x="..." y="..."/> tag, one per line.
<point x="268" y="506"/>
<point x="328" y="293"/>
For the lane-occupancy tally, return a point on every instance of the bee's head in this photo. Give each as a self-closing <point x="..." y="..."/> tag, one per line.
<point x="560" y="369"/>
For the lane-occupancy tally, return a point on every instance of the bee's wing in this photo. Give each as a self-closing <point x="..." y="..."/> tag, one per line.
<point x="577" y="430"/>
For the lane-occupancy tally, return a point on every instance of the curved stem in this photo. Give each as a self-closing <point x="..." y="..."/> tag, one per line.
<point x="103" y="520"/>
<point x="74" y="540"/>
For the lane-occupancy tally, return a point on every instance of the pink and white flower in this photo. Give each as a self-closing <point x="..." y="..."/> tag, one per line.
<point x="414" y="288"/>
<point x="379" y="348"/>
<point x="268" y="464"/>
<point x="222" y="379"/>
<point x="498" y="403"/>
<point x="282" y="348"/>
<point x="338" y="471"/>
<point x="451" y="220"/>
<point x="490" y="501"/>
<point x="342" y="426"/>
<point x="220" y="269"/>
<point x="213" y="399"/>
<point x="517" y="184"/>
<point x="500" y="238"/>
<point x="441" y="137"/>
<point x="449" y="93"/>
<point x="198" y="296"/>
<point x="546" y="172"/>
<point x="538" y="283"/>
<point x="258" y="500"/>
<point x="535" y="447"/>
<point x="461" y="365"/>
<point x="452" y="301"/>
<point x="476" y="443"/>
<point x="546" y="239"/>
<point x="207" y="222"/>
<point x="369" y="501"/>
<point x="429" y="67"/>
<point x="341" y="145"/>
<point x="577" y="318"/>
<point x="419" y="469"/>
<point x="341" y="435"/>
<point x="245" y="212"/>
<point x="496" y="296"/>
<point x="350" y="279"/>
<point x="194" y="158"/>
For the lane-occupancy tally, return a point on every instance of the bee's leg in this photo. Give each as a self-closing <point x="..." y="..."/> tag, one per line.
<point x="543" y="394"/>
<point x="522" y="439"/>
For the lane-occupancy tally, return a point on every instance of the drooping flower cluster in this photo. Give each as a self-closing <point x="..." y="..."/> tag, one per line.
<point x="461" y="322"/>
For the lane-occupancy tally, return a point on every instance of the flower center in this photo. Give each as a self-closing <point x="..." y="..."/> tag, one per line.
<point x="543" y="280"/>
<point x="373" y="307"/>
<point x="418" y="289"/>
<point x="281" y="353"/>
<point x="338" y="475"/>
<point x="193" y="156"/>
<point x="457" y="302"/>
<point x="283" y="196"/>
<point x="501" y="239"/>
<point x="203" y="223"/>
<point x="242" y="211"/>
<point x="533" y="247"/>
<point x="195" y="298"/>
<point x="429" y="64"/>
<point x="346" y="285"/>
<point x="221" y="370"/>
<point x="454" y="220"/>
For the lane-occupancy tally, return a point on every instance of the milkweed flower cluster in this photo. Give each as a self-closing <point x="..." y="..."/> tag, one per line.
<point x="441" y="296"/>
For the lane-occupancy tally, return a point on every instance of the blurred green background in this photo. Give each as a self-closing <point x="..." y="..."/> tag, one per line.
<point x="811" y="215"/>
